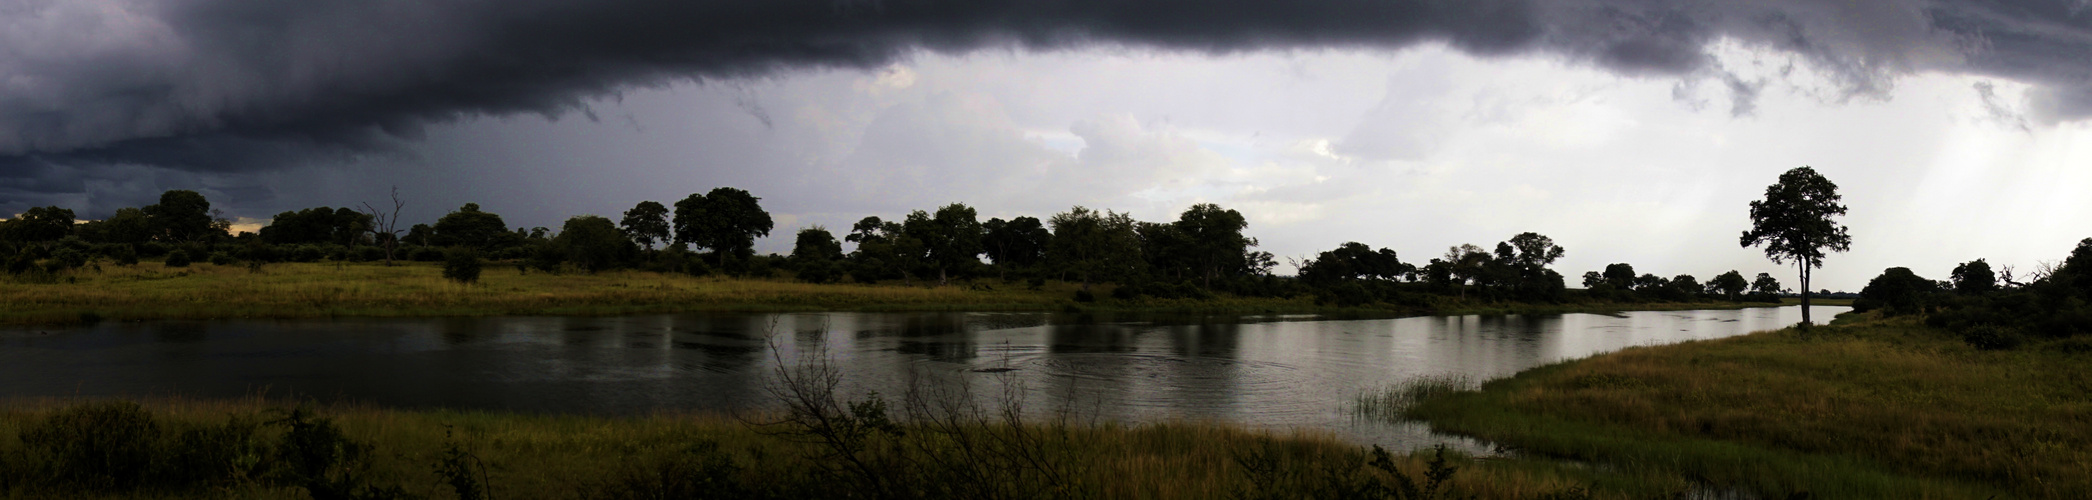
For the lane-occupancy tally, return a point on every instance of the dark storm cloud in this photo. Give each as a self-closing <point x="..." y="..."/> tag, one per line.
<point x="228" y="86"/>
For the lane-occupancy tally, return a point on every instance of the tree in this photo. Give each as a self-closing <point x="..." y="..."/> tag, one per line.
<point x="1593" y="279"/>
<point x="1765" y="284"/>
<point x="952" y="238"/>
<point x="1093" y="244"/>
<point x="1898" y="290"/>
<point x="1468" y="264"/>
<point x="384" y="226"/>
<point x="726" y="220"/>
<point x="647" y="223"/>
<point x="1974" y="277"/>
<point x="1351" y="261"/>
<point x="1019" y="242"/>
<point x="1687" y="285"/>
<point x="181" y="215"/>
<point x="1535" y="250"/>
<point x="1730" y="285"/>
<point x="1794" y="223"/>
<point x="470" y="227"/>
<point x="1620" y="276"/>
<point x="1213" y="240"/>
<point x="815" y="253"/>
<point x="594" y="243"/>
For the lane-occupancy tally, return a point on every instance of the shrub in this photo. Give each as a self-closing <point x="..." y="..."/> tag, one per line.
<point x="369" y="253"/>
<point x="1991" y="337"/>
<point x="1084" y="296"/>
<point x="178" y="258"/>
<point x="98" y="446"/>
<point x="461" y="264"/>
<point x="122" y="254"/>
<point x="220" y="258"/>
<point x="70" y="258"/>
<point x="426" y="254"/>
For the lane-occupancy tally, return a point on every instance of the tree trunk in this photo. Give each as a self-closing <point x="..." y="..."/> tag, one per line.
<point x="1805" y="293"/>
<point x="942" y="279"/>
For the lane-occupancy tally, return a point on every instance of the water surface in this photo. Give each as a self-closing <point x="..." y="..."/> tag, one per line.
<point x="1267" y="371"/>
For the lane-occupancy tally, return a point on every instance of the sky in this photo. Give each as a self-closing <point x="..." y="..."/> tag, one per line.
<point x="1628" y="131"/>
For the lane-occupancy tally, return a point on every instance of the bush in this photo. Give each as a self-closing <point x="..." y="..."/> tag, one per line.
<point x="99" y="446"/>
<point x="461" y="264"/>
<point x="69" y="258"/>
<point x="122" y="254"/>
<point x="427" y="254"/>
<point x="221" y="258"/>
<point x="1991" y="337"/>
<point x="178" y="258"/>
<point x="307" y="253"/>
<point x="818" y="271"/>
<point x="152" y="249"/>
<point x="1084" y="296"/>
<point x="370" y="253"/>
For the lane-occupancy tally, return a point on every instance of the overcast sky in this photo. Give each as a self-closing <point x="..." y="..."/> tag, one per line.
<point x="1632" y="131"/>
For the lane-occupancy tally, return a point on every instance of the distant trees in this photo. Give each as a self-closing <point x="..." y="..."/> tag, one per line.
<point x="38" y="225"/>
<point x="1795" y="223"/>
<point x="1354" y="261"/>
<point x="319" y="225"/>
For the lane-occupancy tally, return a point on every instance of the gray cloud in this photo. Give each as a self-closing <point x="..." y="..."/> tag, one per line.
<point x="229" y="86"/>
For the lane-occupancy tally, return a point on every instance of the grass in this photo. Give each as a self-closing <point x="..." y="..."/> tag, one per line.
<point x="1867" y="408"/>
<point x="150" y="291"/>
<point x="553" y="456"/>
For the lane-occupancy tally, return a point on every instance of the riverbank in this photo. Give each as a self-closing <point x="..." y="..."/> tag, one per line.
<point x="1867" y="408"/>
<point x="150" y="291"/>
<point x="265" y="449"/>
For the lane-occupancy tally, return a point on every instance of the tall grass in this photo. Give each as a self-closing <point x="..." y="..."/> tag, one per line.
<point x="1864" y="409"/>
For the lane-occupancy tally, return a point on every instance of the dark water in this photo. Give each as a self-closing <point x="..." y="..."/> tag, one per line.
<point x="1269" y="371"/>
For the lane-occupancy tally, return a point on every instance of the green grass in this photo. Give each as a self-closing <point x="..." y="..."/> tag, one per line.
<point x="1869" y="408"/>
<point x="150" y="291"/>
<point x="564" y="456"/>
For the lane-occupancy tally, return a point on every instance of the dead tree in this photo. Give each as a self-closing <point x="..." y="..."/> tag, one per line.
<point x="384" y="226"/>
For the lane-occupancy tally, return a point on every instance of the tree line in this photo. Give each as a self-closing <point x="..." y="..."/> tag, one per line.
<point x="1204" y="251"/>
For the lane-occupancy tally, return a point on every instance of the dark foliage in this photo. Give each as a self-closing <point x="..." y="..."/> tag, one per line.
<point x="461" y="264"/>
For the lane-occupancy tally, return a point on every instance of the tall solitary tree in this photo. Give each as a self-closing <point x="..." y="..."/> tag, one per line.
<point x="1794" y="223"/>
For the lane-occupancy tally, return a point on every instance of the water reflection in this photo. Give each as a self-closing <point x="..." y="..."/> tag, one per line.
<point x="1278" y="371"/>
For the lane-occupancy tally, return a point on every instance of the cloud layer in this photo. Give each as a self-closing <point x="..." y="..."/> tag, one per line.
<point x="242" y="85"/>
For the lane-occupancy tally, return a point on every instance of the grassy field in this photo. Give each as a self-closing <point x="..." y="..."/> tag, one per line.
<point x="184" y="449"/>
<point x="1868" y="408"/>
<point x="149" y="291"/>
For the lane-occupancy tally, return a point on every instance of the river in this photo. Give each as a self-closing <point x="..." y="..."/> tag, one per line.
<point x="1263" y="371"/>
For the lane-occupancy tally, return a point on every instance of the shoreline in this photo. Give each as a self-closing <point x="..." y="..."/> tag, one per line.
<point x="150" y="292"/>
